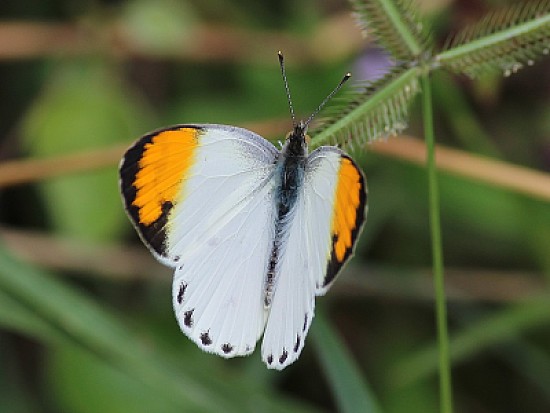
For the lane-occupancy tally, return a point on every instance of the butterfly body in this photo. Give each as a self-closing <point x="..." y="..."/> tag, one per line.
<point x="289" y="178"/>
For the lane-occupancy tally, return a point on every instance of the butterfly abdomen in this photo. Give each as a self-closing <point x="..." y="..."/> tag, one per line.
<point x="290" y="172"/>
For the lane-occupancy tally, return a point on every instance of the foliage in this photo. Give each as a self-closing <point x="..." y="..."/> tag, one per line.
<point x="504" y="40"/>
<point x="94" y="331"/>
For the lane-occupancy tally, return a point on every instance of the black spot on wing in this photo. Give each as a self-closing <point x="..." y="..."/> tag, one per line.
<point x="270" y="359"/>
<point x="297" y="344"/>
<point x="227" y="348"/>
<point x="181" y="292"/>
<point x="305" y="324"/>
<point x="188" y="318"/>
<point x="205" y="338"/>
<point x="283" y="357"/>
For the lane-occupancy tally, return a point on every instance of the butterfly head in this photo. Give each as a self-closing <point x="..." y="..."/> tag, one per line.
<point x="297" y="140"/>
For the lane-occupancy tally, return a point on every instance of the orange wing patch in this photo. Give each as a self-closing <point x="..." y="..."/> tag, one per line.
<point x="348" y="216"/>
<point x="164" y="163"/>
<point x="151" y="177"/>
<point x="345" y="209"/>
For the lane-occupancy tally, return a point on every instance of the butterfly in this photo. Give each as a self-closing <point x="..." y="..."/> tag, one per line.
<point x="253" y="233"/>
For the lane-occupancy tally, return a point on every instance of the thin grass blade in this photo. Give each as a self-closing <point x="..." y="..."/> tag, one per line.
<point x="505" y="40"/>
<point x="395" y="24"/>
<point x="508" y="323"/>
<point x="370" y="111"/>
<point x="351" y="391"/>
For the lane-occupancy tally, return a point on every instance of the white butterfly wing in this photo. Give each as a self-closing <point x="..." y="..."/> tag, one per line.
<point x="293" y="297"/>
<point x="214" y="222"/>
<point x="217" y="290"/>
<point x="325" y="222"/>
<point x="335" y="188"/>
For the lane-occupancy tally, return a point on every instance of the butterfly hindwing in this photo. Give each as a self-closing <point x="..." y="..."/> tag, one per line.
<point x="207" y="209"/>
<point x="336" y="192"/>
<point x="292" y="305"/>
<point x="322" y="229"/>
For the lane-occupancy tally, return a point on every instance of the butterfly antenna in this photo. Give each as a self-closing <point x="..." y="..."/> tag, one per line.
<point x="330" y="95"/>
<point x="283" y="72"/>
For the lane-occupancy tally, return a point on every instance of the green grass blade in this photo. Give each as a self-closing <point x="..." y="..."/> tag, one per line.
<point x="504" y="40"/>
<point x="350" y="390"/>
<point x="396" y="25"/>
<point x="369" y="112"/>
<point x="488" y="331"/>
<point x="16" y="316"/>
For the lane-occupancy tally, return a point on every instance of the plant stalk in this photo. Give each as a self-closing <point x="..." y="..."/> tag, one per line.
<point x="463" y="51"/>
<point x="437" y="251"/>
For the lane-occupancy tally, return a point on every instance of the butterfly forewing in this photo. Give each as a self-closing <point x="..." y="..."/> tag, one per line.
<point x="207" y="209"/>
<point x="151" y="173"/>
<point x="336" y="189"/>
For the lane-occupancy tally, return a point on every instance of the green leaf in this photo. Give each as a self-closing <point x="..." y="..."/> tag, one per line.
<point x="396" y="25"/>
<point x="504" y="40"/>
<point x="370" y="111"/>
<point x="350" y="389"/>
<point x="83" y="107"/>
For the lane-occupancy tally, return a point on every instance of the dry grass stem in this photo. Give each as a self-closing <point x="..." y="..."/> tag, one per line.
<point x="515" y="178"/>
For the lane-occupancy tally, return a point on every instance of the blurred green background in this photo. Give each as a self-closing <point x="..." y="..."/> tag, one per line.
<point x="85" y="312"/>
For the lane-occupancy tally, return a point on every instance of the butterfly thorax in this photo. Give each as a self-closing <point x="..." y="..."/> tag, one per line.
<point x="291" y="169"/>
<point x="290" y="178"/>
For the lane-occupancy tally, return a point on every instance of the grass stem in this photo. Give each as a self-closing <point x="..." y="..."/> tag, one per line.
<point x="437" y="251"/>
